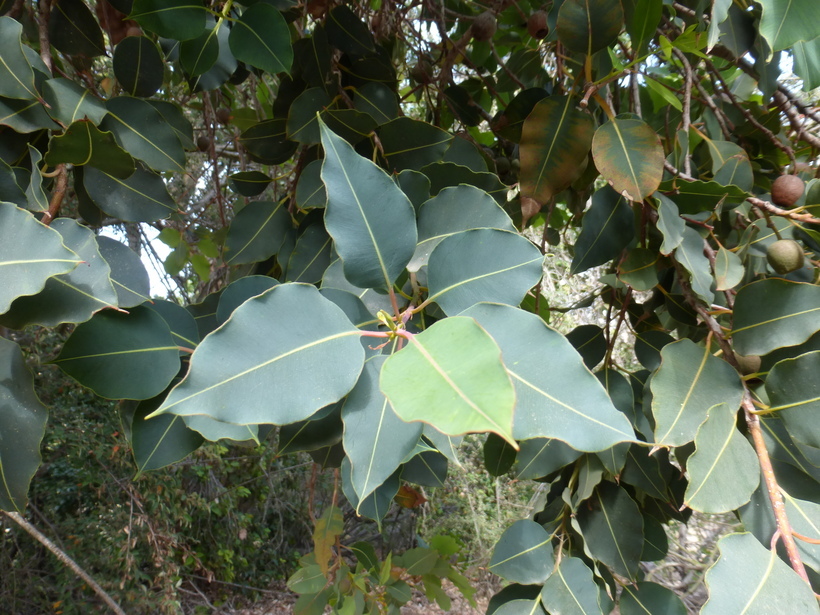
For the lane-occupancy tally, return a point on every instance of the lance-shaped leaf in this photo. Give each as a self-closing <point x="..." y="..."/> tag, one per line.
<point x="35" y="193"/>
<point x="748" y="578"/>
<point x="451" y="376"/>
<point x="689" y="382"/>
<point x="69" y="102"/>
<point x="140" y="129"/>
<point x="773" y="313"/>
<point x="251" y="369"/>
<point x="84" y="143"/>
<point x="260" y="37"/>
<point x="141" y="197"/>
<point x="257" y="232"/>
<point x="455" y="209"/>
<point x="24" y="115"/>
<point x="690" y="254"/>
<point x="585" y="26"/>
<point x="482" y="265"/>
<point x="523" y="554"/>
<point x="128" y="274"/>
<point x="30" y="253"/>
<point x="612" y="528"/>
<point x="376" y="440"/>
<point x="794" y="393"/>
<point x="629" y="155"/>
<point x="608" y="227"/>
<point x="370" y="219"/>
<point x="122" y="355"/>
<point x="570" y="590"/>
<point x="177" y="19"/>
<point x="785" y="23"/>
<point x="70" y="297"/>
<point x="559" y="399"/>
<point x="138" y="66"/>
<point x="376" y="505"/>
<point x="22" y="424"/>
<point x="555" y="141"/>
<point x="198" y="55"/>
<point x="646" y="598"/>
<point x="16" y="74"/>
<point x="723" y="470"/>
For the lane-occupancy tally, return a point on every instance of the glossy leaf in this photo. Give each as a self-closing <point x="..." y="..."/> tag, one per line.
<point x="16" y="74"/>
<point x="128" y="274"/>
<point x="161" y="441"/>
<point x="30" y="254"/>
<point x="376" y="440"/>
<point x="482" y="265"/>
<point x="70" y="297"/>
<point x="585" y="26"/>
<point x="69" y="102"/>
<point x="73" y="30"/>
<point x="723" y="470"/>
<point x="523" y="554"/>
<point x="83" y="143"/>
<point x="794" y="393"/>
<point x="690" y="255"/>
<point x="260" y="38"/>
<point x="772" y="313"/>
<point x="581" y="415"/>
<point x="729" y="269"/>
<point x="555" y="140"/>
<point x="122" y="355"/>
<point x="142" y="197"/>
<point x="688" y="383"/>
<point x="785" y="23"/>
<point x="177" y="19"/>
<point x="647" y="598"/>
<point x="139" y="66"/>
<point x="257" y="232"/>
<point x="451" y="376"/>
<point x="749" y="578"/>
<point x="608" y="228"/>
<point x="570" y="590"/>
<point x="230" y="370"/>
<point x="22" y="424"/>
<point x="198" y="55"/>
<point x="629" y="155"/>
<point x="365" y="208"/>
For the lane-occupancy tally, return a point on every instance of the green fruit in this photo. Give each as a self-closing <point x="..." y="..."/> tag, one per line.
<point x="422" y="72"/>
<point x="786" y="190"/>
<point x="484" y="26"/>
<point x="785" y="256"/>
<point x="203" y="143"/>
<point x="502" y="165"/>
<point x="748" y="364"/>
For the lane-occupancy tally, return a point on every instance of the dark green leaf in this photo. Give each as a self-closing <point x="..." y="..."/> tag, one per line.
<point x="249" y="183"/>
<point x="139" y="66"/>
<point x="794" y="393"/>
<point x="260" y="38"/>
<point x="198" y="55"/>
<point x="445" y="174"/>
<point x="785" y="23"/>
<point x="161" y="441"/>
<point x="589" y="341"/>
<point x="176" y="19"/>
<point x="690" y="254"/>
<point x="499" y="456"/>
<point x="257" y="232"/>
<point x="646" y="598"/>
<point x="24" y="116"/>
<point x="142" y="197"/>
<point x="266" y="142"/>
<point x="348" y="33"/>
<point x="83" y="143"/>
<point x="303" y="124"/>
<point x="313" y="56"/>
<point x="310" y="191"/>
<point x="236" y="293"/>
<point x="16" y="74"/>
<point x="412" y="144"/>
<point x="585" y="26"/>
<point x="128" y="274"/>
<point x="376" y="505"/>
<point x="179" y="320"/>
<point x="378" y="101"/>
<point x="310" y="256"/>
<point x="523" y="554"/>
<point x="540" y="457"/>
<point x="608" y="228"/>
<point x="73" y="30"/>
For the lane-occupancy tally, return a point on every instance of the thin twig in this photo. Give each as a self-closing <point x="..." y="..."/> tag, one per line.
<point x="784" y="213"/>
<point x="687" y="105"/>
<point x="57" y="195"/>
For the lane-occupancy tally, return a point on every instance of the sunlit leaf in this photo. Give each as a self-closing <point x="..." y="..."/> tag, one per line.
<point x="629" y="155"/>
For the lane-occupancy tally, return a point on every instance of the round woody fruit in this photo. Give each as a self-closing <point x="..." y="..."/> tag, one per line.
<point x="484" y="26"/>
<point x="785" y="256"/>
<point x="537" y="25"/>
<point x="203" y="143"/>
<point x="786" y="190"/>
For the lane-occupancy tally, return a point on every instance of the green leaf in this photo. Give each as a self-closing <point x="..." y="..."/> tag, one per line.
<point x="303" y="117"/>
<point x="176" y="19"/>
<point x="128" y="274"/>
<point x="690" y="254"/>
<point x="499" y="456"/>
<point x="794" y="393"/>
<point x="785" y="23"/>
<point x="723" y="470"/>
<point x="30" y="253"/>
<point x="179" y="320"/>
<point x="257" y="232"/>
<point x="412" y="144"/>
<point x="585" y="26"/>
<point x="175" y="116"/>
<point x="688" y="383"/>
<point x="230" y="371"/>
<point x="455" y="209"/>
<point x="213" y="430"/>
<point x="73" y="30"/>
<point x="70" y="297"/>
<point x="310" y="190"/>
<point x="540" y="457"/>
<point x="376" y="505"/>
<point x="807" y="63"/>
<point x="523" y="554"/>
<point x="311" y="255"/>
<point x="729" y="269"/>
<point x="348" y="33"/>
<point x="555" y="141"/>
<point x="693" y="197"/>
<point x="267" y="143"/>
<point x="629" y="155"/>
<point x="142" y="197"/>
<point x="581" y="415"/>
<point x="198" y="55"/>
<point x="313" y="56"/>
<point x="223" y="69"/>
<point x="22" y="424"/>
<point x="749" y="578"/>
<point x="647" y="598"/>
<point x="140" y="129"/>
<point x="351" y="125"/>
<point x="122" y="355"/>
<point x="161" y="441"/>
<point x="378" y="101"/>
<point x="370" y="219"/>
<point x="16" y="74"/>
<point x="24" y="116"/>
<point x="260" y="37"/>
<point x="10" y="190"/>
<point x="35" y="193"/>
<point x="608" y="227"/>
<point x="570" y="590"/>
<point x="612" y="528"/>
<point x="482" y="265"/>
<point x="236" y="293"/>
<point x="642" y="23"/>
<point x="445" y="174"/>
<point x="69" y="102"/>
<point x="772" y="313"/>
<point x="670" y="224"/>
<point x="323" y="429"/>
<point x="376" y="440"/>
<point x="451" y="377"/>
<point x="139" y="66"/>
<point x="83" y="143"/>
<point x="639" y="269"/>
<point x="427" y="468"/>
<point x="249" y="183"/>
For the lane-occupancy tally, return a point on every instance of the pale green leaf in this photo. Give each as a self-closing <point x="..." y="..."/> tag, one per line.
<point x="629" y="155"/>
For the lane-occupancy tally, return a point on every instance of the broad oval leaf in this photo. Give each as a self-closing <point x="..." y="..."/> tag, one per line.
<point x="22" y="424"/>
<point x="347" y="32"/>
<point x="236" y="293"/>
<point x="176" y="19"/>
<point x="773" y="313"/>
<point x="482" y="265"/>
<point x="540" y="457"/>
<point x="628" y="154"/>
<point x="645" y="598"/>
<point x="257" y="232"/>
<point x="723" y="470"/>
<point x="729" y="269"/>
<point x="73" y="29"/>
<point x="139" y="66"/>
<point x="141" y="197"/>
<point x="748" y="578"/>
<point x="311" y="255"/>
<point x="260" y="37"/>
<point x="451" y="376"/>
<point x="16" y="74"/>
<point x="370" y="219"/>
<point x="785" y="23"/>
<point x="376" y="440"/>
<point x="128" y="274"/>
<point x="412" y="144"/>
<point x="265" y="344"/>
<point x="608" y="227"/>
<point x="555" y="140"/>
<point x="559" y="399"/>
<point x="180" y="321"/>
<point x="687" y="384"/>
<point x="198" y="55"/>
<point x="570" y="590"/>
<point x="25" y="116"/>
<point x="523" y="554"/>
<point x="30" y="253"/>
<point x="310" y="191"/>
<point x="249" y="183"/>
<point x="69" y="102"/>
<point x="122" y="355"/>
<point x="585" y="26"/>
<point x="794" y="393"/>
<point x="83" y="143"/>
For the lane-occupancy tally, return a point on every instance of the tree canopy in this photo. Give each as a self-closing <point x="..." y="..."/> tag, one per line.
<point x="350" y="193"/>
